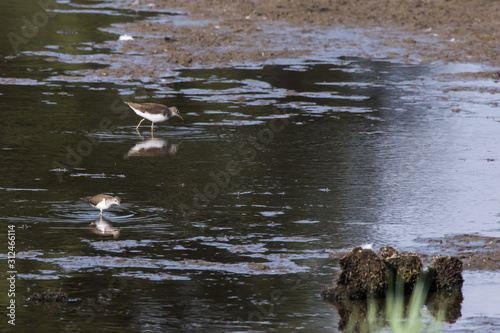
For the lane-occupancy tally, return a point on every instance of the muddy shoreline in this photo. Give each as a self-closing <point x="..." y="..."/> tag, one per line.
<point x="475" y="251"/>
<point x="224" y="33"/>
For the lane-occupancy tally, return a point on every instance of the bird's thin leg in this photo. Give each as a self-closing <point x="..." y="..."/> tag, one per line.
<point x="152" y="124"/>
<point x="137" y="128"/>
<point x="101" y="213"/>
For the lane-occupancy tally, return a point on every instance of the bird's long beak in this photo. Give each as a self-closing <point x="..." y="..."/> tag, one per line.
<point x="178" y="115"/>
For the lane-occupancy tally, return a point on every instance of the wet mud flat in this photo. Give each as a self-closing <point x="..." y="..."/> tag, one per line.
<point x="475" y="251"/>
<point x="221" y="33"/>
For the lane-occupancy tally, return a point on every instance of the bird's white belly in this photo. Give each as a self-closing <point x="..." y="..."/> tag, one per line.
<point x="101" y="205"/>
<point x="156" y="118"/>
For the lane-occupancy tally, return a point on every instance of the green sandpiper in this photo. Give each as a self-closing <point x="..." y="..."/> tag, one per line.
<point x="156" y="113"/>
<point x="102" y="201"/>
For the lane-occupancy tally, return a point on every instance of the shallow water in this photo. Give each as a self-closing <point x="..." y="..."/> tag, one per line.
<point x="227" y="218"/>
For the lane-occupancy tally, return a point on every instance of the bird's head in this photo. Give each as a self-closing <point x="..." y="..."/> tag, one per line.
<point x="116" y="201"/>
<point x="175" y="112"/>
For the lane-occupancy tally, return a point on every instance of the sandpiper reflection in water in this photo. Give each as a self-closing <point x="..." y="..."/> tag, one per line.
<point x="103" y="227"/>
<point x="153" y="147"/>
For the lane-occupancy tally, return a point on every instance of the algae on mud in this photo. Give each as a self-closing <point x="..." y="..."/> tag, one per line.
<point x="373" y="288"/>
<point x="365" y="274"/>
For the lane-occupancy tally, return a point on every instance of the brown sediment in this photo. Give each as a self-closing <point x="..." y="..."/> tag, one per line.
<point x="387" y="252"/>
<point x="475" y="251"/>
<point x="49" y="296"/>
<point x="362" y="275"/>
<point x="407" y="266"/>
<point x="446" y="274"/>
<point x="223" y="32"/>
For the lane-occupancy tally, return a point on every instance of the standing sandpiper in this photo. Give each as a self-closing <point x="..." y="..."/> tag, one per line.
<point x="156" y="113"/>
<point x="102" y="201"/>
